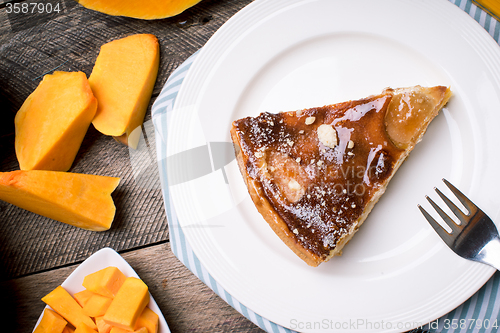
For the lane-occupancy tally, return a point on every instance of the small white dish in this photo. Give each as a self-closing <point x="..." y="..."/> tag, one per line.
<point x="99" y="260"/>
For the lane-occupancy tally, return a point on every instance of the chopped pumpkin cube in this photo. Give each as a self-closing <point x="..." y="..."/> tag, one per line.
<point x="141" y="330"/>
<point x="83" y="296"/>
<point x="83" y="328"/>
<point x="97" y="305"/>
<point x="105" y="282"/>
<point x="68" y="329"/>
<point x="65" y="305"/>
<point x="119" y="330"/>
<point x="102" y="326"/>
<point x="51" y="323"/>
<point x="148" y="319"/>
<point x="128" y="304"/>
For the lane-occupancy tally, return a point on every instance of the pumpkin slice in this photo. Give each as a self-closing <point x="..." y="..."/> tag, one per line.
<point x="66" y="306"/>
<point x="97" y="306"/>
<point x="146" y="10"/>
<point x="84" y="328"/>
<point x="51" y="322"/>
<point x="128" y="304"/>
<point x="52" y="122"/>
<point x="105" y="282"/>
<point x="80" y="200"/>
<point x="82" y="297"/>
<point x="122" y="80"/>
<point x="148" y="319"/>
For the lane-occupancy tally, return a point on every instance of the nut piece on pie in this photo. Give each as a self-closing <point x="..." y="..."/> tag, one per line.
<point x="315" y="174"/>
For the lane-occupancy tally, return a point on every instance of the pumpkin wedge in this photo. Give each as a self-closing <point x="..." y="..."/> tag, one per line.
<point x="52" y="122"/>
<point x="80" y="200"/>
<point x="122" y="80"/>
<point x="146" y="10"/>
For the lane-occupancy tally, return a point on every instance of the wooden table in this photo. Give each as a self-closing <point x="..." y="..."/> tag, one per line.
<point x="36" y="253"/>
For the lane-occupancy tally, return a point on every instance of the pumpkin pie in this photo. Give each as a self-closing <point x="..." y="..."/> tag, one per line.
<point x="315" y="174"/>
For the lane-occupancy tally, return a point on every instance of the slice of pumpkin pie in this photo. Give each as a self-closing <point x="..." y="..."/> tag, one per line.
<point x="315" y="174"/>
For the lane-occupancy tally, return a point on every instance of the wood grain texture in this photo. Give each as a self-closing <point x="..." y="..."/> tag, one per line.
<point x="33" y="44"/>
<point x="187" y="304"/>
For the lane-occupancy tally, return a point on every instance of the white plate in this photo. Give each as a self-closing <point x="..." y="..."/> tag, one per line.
<point x="396" y="274"/>
<point x="101" y="259"/>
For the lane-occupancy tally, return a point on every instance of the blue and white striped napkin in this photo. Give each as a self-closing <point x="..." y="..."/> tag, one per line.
<point x="481" y="313"/>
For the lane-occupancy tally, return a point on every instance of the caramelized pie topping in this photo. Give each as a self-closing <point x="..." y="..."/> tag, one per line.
<point x="319" y="168"/>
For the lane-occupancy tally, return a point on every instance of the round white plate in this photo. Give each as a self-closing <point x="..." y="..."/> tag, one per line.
<point x="396" y="273"/>
<point x="101" y="259"/>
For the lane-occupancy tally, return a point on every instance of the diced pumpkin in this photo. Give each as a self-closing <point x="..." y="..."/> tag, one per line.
<point x="105" y="282"/>
<point x="97" y="305"/>
<point x="83" y="328"/>
<point x="83" y="201"/>
<point x="119" y="330"/>
<point x="148" y="10"/>
<point x="102" y="326"/>
<point x="83" y="296"/>
<point x="128" y="304"/>
<point x="148" y="319"/>
<point x="51" y="323"/>
<point x="141" y="330"/>
<point x="68" y="329"/>
<point x="52" y="122"/>
<point x="66" y="306"/>
<point x="122" y="80"/>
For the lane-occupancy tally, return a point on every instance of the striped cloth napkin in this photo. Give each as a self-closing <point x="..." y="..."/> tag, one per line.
<point x="481" y="313"/>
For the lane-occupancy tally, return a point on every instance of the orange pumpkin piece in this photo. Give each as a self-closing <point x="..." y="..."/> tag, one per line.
<point x="81" y="200"/>
<point x="66" y="306"/>
<point x="51" y="323"/>
<point x="148" y="319"/>
<point x="83" y="328"/>
<point x="97" y="305"/>
<point x="83" y="296"/>
<point x="102" y="326"/>
<point x="122" y="80"/>
<point x="121" y="330"/>
<point x="128" y="304"/>
<point x="52" y="122"/>
<point x="68" y="329"/>
<point x="105" y="282"/>
<point x="148" y="10"/>
<point x="118" y="330"/>
<point x="141" y="330"/>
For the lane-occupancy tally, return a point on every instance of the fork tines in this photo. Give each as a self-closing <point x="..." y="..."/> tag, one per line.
<point x="455" y="228"/>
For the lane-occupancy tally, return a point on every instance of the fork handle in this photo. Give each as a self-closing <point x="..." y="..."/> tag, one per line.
<point x="490" y="253"/>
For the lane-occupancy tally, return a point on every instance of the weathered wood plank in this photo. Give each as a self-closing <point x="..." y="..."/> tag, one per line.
<point x="33" y="44"/>
<point x="187" y="304"/>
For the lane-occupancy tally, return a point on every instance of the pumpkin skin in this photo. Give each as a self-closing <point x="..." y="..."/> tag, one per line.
<point x="146" y="10"/>
<point x="122" y="80"/>
<point x="80" y="200"/>
<point x="53" y="120"/>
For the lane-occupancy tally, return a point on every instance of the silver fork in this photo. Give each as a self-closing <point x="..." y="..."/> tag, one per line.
<point x="475" y="238"/>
